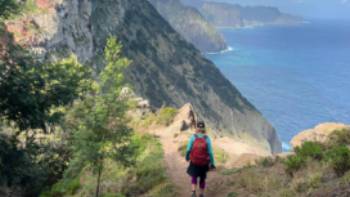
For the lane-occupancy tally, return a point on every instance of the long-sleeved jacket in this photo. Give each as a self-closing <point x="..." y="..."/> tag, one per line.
<point x="210" y="148"/>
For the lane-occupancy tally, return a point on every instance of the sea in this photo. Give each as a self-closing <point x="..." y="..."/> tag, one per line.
<point x="297" y="76"/>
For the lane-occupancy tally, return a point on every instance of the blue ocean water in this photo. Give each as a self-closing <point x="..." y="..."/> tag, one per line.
<point x="297" y="76"/>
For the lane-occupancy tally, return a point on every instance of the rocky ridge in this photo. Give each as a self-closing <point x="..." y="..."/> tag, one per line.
<point x="237" y="16"/>
<point x="229" y="15"/>
<point x="165" y="69"/>
<point x="191" y="25"/>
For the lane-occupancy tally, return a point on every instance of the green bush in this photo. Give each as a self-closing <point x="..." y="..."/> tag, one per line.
<point x="220" y="155"/>
<point x="232" y="194"/>
<point x="182" y="149"/>
<point x="163" y="117"/>
<point x="163" y="190"/>
<point x="149" y="173"/>
<point x="340" y="159"/>
<point x="267" y="162"/>
<point x="64" y="187"/>
<point x="113" y="195"/>
<point x="312" y="150"/>
<point x="166" y="115"/>
<point x="340" y="137"/>
<point x="146" y="178"/>
<point x="293" y="164"/>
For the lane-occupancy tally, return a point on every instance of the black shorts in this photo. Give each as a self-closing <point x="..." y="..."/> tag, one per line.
<point x="197" y="171"/>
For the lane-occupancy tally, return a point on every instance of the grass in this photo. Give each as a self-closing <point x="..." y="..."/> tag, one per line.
<point x="182" y="148"/>
<point x="163" y="117"/>
<point x="221" y="157"/>
<point x="166" y="115"/>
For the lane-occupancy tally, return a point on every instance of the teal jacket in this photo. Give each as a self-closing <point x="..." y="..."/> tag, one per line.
<point x="210" y="148"/>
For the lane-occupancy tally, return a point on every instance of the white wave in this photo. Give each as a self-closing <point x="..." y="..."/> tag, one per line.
<point x="286" y="147"/>
<point x="228" y="49"/>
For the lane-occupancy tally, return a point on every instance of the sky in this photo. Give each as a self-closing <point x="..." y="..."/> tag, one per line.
<point x="325" y="9"/>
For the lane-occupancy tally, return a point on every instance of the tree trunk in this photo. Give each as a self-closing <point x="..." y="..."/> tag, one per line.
<point x="98" y="181"/>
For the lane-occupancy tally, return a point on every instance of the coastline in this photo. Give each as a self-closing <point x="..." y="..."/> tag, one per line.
<point x="263" y="25"/>
<point x="290" y="59"/>
<point x="228" y="49"/>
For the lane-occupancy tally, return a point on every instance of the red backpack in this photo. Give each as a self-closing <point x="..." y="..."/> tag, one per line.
<point x="199" y="154"/>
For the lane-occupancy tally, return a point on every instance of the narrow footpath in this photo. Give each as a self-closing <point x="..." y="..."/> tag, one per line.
<point x="176" y="167"/>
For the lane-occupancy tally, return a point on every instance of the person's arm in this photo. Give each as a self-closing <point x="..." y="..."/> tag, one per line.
<point x="211" y="154"/>
<point x="189" y="147"/>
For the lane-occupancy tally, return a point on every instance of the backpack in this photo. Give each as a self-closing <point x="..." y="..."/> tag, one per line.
<point x="199" y="154"/>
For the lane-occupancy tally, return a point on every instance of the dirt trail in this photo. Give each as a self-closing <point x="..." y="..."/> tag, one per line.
<point x="177" y="166"/>
<point x="172" y="138"/>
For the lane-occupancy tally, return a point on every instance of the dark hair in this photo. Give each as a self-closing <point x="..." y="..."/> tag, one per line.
<point x="200" y="125"/>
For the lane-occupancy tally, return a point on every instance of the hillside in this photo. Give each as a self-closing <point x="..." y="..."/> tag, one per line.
<point x="191" y="25"/>
<point x="228" y="15"/>
<point x="165" y="68"/>
<point x="316" y="168"/>
<point x="82" y="115"/>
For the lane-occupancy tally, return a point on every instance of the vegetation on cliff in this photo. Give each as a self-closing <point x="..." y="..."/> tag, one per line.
<point x="316" y="169"/>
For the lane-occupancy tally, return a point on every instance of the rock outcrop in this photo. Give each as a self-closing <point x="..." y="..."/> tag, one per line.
<point x="318" y="134"/>
<point x="237" y="16"/>
<point x="191" y="25"/>
<point x="165" y="69"/>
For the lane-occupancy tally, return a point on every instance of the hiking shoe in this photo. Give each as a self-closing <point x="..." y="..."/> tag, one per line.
<point x="194" y="194"/>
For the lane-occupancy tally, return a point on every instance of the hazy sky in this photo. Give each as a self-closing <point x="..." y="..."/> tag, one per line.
<point x="307" y="8"/>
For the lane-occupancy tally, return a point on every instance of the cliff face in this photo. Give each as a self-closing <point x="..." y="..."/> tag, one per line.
<point x="166" y="69"/>
<point x="233" y="15"/>
<point x="191" y="25"/>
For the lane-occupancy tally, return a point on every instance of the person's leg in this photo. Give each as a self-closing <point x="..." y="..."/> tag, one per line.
<point x="202" y="185"/>
<point x="194" y="183"/>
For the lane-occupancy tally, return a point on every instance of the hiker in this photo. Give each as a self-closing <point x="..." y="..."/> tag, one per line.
<point x="199" y="153"/>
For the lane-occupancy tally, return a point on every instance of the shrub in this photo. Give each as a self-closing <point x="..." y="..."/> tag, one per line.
<point x="340" y="159"/>
<point x="287" y="193"/>
<point x="232" y="194"/>
<point x="220" y="155"/>
<point x="113" y="195"/>
<point x="312" y="150"/>
<point x="251" y="182"/>
<point x="67" y="186"/>
<point x="166" y="115"/>
<point x="267" y="162"/>
<point x="314" y="181"/>
<point x="259" y="181"/>
<point x="293" y="164"/>
<point x="163" y="190"/>
<point x="339" y="137"/>
<point x="182" y="149"/>
<point x="149" y="175"/>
